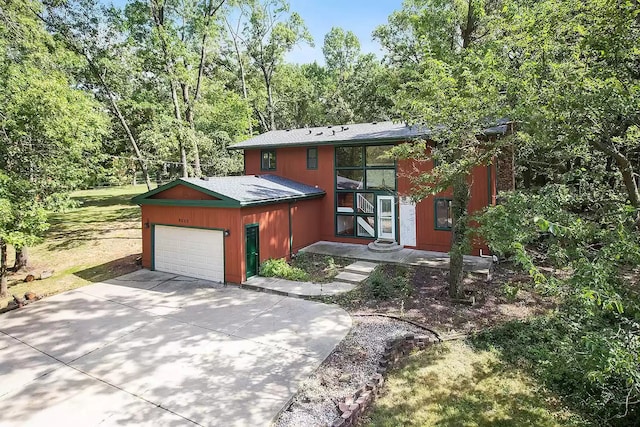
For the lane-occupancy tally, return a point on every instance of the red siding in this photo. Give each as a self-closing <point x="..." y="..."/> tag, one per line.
<point x="273" y="229"/>
<point x="427" y="237"/>
<point x="202" y="217"/>
<point x="291" y="163"/>
<point x="182" y="192"/>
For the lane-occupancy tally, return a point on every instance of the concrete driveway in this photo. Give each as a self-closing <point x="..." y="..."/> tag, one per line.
<point x="155" y="349"/>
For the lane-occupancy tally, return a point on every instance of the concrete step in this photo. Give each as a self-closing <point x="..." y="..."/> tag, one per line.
<point x="347" y="276"/>
<point x="361" y="267"/>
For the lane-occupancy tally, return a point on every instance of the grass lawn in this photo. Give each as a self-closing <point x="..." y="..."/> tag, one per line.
<point x="453" y="384"/>
<point x="96" y="241"/>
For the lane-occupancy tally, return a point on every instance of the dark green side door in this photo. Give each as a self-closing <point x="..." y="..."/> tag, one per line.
<point x="251" y="246"/>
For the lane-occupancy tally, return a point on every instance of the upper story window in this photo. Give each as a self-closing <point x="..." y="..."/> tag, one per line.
<point x="365" y="167"/>
<point x="312" y="158"/>
<point x="268" y="162"/>
<point x="443" y="214"/>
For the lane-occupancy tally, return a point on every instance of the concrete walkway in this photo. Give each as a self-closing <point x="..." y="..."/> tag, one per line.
<point x="415" y="257"/>
<point x="290" y="288"/>
<point x="158" y="349"/>
<point x="346" y="280"/>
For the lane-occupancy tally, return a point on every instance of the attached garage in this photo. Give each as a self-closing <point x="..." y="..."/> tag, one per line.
<point x="191" y="252"/>
<point x="221" y="228"/>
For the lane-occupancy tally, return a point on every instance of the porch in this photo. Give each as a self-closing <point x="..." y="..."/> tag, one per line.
<point x="480" y="266"/>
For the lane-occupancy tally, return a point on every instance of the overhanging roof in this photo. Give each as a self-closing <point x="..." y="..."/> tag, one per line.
<point x="359" y="132"/>
<point x="349" y="134"/>
<point x="235" y="191"/>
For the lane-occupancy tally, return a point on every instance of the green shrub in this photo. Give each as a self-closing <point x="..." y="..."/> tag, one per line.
<point x="510" y="291"/>
<point x="588" y="349"/>
<point x="387" y="282"/>
<point x="281" y="268"/>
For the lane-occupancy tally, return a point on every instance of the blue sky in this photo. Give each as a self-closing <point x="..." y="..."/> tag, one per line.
<point x="359" y="16"/>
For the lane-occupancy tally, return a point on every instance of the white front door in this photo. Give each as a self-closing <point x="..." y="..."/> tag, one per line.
<point x="386" y="217"/>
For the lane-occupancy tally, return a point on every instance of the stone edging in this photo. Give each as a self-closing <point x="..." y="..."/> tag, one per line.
<point x="354" y="406"/>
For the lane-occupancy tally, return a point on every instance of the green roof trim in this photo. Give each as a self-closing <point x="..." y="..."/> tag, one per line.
<point x="239" y="192"/>
<point x="223" y="202"/>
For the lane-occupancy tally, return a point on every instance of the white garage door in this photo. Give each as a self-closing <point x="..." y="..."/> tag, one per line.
<point x="189" y="251"/>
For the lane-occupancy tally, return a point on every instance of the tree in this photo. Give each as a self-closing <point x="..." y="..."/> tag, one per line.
<point x="575" y="66"/>
<point x="50" y="131"/>
<point x="270" y="33"/>
<point x="458" y="92"/>
<point x="341" y="50"/>
<point x="85" y="29"/>
<point x="23" y="220"/>
<point x="178" y="27"/>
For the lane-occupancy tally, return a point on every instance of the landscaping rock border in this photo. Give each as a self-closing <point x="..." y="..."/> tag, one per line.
<point x="354" y="406"/>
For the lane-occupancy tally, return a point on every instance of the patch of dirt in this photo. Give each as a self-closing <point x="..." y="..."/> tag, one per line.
<point x="508" y="296"/>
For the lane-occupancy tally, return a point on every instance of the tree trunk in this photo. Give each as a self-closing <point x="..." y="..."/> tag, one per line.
<point x="22" y="259"/>
<point x="461" y="196"/>
<point x="270" y="110"/>
<point x="3" y="269"/>
<point x="272" y="113"/>
<point x="188" y="116"/>
<point x="243" y="78"/>
<point x="157" y="12"/>
<point x="123" y="122"/>
<point x="467" y="30"/>
<point x="626" y="169"/>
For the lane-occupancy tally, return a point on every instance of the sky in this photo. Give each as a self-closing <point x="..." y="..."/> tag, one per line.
<point x="359" y="16"/>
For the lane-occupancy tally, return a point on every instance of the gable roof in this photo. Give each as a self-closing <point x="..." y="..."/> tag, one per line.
<point x="235" y="191"/>
<point x="349" y="134"/>
<point x="376" y="131"/>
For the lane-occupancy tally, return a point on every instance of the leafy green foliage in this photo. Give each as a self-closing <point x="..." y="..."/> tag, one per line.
<point x="386" y="282"/>
<point x="588" y="360"/>
<point x="281" y="268"/>
<point x="588" y="350"/>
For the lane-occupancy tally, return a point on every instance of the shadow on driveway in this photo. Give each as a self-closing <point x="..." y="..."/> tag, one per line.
<point x="155" y="348"/>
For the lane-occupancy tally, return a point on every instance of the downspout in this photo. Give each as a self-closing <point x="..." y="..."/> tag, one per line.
<point x="290" y="233"/>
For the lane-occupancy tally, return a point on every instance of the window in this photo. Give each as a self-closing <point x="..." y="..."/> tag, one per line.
<point x="381" y="179"/>
<point x="443" y="214"/>
<point x="348" y="157"/>
<point x="344" y="225"/>
<point x="376" y="155"/>
<point x="312" y="158"/>
<point x="349" y="179"/>
<point x="361" y="173"/>
<point x="268" y="162"/>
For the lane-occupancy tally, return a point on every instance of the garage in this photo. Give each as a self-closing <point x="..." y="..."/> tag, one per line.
<point x="188" y="251"/>
<point x="221" y="228"/>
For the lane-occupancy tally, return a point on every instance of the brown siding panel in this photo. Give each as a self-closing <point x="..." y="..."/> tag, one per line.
<point x="182" y="192"/>
<point x="201" y="217"/>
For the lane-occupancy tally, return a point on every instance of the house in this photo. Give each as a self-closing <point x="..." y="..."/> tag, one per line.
<point x="300" y="186"/>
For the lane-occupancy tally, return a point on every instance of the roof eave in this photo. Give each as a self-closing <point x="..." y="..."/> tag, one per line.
<point x="281" y="200"/>
<point x="340" y="142"/>
<point x="144" y="197"/>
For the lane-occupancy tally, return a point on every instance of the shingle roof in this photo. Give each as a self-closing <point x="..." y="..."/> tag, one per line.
<point x="234" y="191"/>
<point x="250" y="189"/>
<point x="387" y="131"/>
<point x="376" y="131"/>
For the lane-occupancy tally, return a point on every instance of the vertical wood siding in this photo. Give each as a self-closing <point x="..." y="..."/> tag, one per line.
<point x="292" y="164"/>
<point x="202" y="217"/>
<point x="182" y="192"/>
